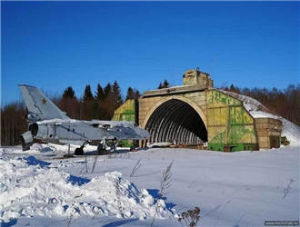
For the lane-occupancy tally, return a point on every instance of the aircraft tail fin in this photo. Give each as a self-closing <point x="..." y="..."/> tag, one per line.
<point x="39" y="106"/>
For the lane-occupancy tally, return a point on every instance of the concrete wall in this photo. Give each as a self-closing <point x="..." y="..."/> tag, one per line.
<point x="268" y="132"/>
<point x="230" y="127"/>
<point x="145" y="105"/>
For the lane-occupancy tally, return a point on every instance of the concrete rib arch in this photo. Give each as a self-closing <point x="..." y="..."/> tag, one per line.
<point x="176" y="118"/>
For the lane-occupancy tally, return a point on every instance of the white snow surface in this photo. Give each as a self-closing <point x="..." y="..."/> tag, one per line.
<point x="258" y="110"/>
<point x="30" y="187"/>
<point x="232" y="189"/>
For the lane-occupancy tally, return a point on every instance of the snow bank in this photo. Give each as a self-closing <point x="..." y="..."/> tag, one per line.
<point x="258" y="110"/>
<point x="249" y="103"/>
<point x="291" y="132"/>
<point x="30" y="187"/>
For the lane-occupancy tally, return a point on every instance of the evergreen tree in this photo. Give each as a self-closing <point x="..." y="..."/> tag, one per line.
<point x="136" y="95"/>
<point x="234" y="89"/>
<point x="117" y="98"/>
<point x="87" y="96"/>
<point x="130" y="93"/>
<point x="69" y="93"/>
<point x="89" y="110"/>
<point x="165" y="84"/>
<point x="160" y="86"/>
<point x="98" y="106"/>
<point x="107" y="103"/>
<point x="100" y="93"/>
<point x="69" y="103"/>
<point x="107" y="90"/>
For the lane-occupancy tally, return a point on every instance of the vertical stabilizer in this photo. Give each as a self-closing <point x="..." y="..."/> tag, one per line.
<point x="39" y="106"/>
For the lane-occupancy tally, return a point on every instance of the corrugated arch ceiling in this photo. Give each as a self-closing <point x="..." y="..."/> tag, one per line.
<point x="176" y="121"/>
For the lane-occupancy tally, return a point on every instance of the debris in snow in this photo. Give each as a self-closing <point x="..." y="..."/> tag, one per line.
<point x="159" y="144"/>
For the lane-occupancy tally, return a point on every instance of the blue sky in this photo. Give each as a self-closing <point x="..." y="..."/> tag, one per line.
<point x="53" y="45"/>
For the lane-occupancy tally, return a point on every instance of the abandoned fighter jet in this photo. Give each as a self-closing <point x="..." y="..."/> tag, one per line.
<point x="47" y="123"/>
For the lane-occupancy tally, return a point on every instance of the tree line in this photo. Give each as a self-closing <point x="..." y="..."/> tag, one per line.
<point x="102" y="103"/>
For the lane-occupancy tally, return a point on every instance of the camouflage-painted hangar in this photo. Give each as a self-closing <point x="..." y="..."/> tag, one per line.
<point x="196" y="113"/>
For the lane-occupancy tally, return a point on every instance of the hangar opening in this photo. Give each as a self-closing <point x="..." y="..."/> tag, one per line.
<point x="177" y="122"/>
<point x="196" y="112"/>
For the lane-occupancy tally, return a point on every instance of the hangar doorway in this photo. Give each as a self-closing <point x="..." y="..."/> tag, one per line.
<point x="177" y="122"/>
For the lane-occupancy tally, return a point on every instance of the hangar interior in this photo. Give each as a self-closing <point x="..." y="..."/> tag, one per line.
<point x="177" y="122"/>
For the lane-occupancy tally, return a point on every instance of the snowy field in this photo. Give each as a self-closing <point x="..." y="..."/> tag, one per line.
<point x="39" y="188"/>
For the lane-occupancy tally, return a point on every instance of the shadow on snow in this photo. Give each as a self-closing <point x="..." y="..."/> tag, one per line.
<point x="31" y="160"/>
<point x="119" y="223"/>
<point x="74" y="180"/>
<point x="10" y="223"/>
<point x="155" y="194"/>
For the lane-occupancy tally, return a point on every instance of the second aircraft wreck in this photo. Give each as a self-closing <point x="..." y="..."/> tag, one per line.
<point x="47" y="123"/>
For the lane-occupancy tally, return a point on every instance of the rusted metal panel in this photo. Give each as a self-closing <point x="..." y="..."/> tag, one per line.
<point x="126" y="112"/>
<point x="230" y="126"/>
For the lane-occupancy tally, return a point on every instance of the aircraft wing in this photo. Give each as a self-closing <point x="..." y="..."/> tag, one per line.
<point x="121" y="130"/>
<point x="128" y="133"/>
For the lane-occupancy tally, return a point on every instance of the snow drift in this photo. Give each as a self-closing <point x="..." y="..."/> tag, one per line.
<point x="30" y="187"/>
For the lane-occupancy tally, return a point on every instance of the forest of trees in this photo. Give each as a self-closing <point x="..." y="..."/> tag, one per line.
<point x="102" y="103"/>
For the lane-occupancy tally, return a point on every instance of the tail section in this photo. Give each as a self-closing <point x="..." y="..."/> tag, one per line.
<point x="39" y="106"/>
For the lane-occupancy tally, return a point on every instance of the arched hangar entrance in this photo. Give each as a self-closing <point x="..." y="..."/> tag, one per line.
<point x="177" y="121"/>
<point x="196" y="112"/>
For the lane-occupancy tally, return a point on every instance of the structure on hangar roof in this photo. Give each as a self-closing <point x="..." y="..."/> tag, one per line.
<point x="196" y="113"/>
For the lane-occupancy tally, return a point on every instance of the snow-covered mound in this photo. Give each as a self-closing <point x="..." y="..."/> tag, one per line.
<point x="258" y="110"/>
<point x="290" y="131"/>
<point x="249" y="103"/>
<point x="30" y="187"/>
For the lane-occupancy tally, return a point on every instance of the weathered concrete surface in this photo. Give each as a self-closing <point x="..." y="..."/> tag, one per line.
<point x="196" y="113"/>
<point x="268" y="132"/>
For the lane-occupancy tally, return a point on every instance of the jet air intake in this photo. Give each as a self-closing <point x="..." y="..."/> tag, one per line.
<point x="34" y="129"/>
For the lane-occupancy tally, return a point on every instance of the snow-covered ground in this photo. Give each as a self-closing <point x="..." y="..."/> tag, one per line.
<point x="39" y="188"/>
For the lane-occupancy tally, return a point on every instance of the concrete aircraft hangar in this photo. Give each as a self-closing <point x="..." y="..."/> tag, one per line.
<point x="196" y="114"/>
